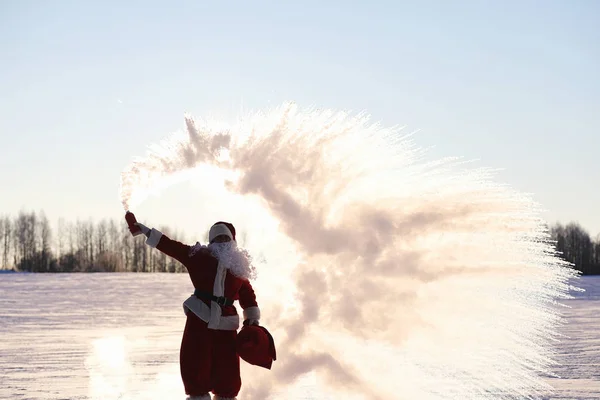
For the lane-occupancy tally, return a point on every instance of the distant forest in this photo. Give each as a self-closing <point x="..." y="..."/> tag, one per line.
<point x="28" y="244"/>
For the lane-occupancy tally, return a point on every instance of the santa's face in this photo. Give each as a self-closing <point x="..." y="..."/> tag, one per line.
<point x="221" y="239"/>
<point x="222" y="245"/>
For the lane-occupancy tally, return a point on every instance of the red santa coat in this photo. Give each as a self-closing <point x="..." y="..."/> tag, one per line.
<point x="210" y="276"/>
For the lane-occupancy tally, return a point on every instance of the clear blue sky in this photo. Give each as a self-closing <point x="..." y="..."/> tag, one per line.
<point x="85" y="86"/>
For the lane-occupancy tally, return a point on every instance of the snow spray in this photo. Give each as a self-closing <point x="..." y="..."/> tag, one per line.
<point x="408" y="279"/>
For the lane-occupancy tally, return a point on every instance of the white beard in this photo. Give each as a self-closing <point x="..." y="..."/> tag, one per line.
<point x="237" y="261"/>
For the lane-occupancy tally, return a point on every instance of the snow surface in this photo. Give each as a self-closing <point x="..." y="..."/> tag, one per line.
<point x="116" y="336"/>
<point x="579" y="358"/>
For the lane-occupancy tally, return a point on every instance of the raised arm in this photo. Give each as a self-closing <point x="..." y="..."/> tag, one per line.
<point x="170" y="247"/>
<point x="162" y="242"/>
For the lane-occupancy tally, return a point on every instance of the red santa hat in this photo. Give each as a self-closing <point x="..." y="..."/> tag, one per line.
<point x="256" y="346"/>
<point x="221" y="228"/>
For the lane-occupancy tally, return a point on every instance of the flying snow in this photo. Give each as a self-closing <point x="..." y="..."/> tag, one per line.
<point x="405" y="279"/>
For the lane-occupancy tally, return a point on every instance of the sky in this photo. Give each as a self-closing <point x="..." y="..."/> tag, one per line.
<point x="88" y="86"/>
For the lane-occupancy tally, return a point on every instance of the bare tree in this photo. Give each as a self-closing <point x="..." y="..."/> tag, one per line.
<point x="32" y="243"/>
<point x="20" y="239"/>
<point x="72" y="234"/>
<point x="114" y="245"/>
<point x="90" y="245"/>
<point x="44" y="238"/>
<point x="70" y="260"/>
<point x="61" y="237"/>
<point x="126" y="248"/>
<point x="26" y="241"/>
<point x="138" y="248"/>
<point x="596" y="255"/>
<point x="101" y="237"/>
<point x="82" y="245"/>
<point x="16" y="241"/>
<point x="6" y="240"/>
<point x="4" y="228"/>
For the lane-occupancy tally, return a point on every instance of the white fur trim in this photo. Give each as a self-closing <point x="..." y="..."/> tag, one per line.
<point x="252" y="313"/>
<point x="219" y="229"/>
<point x="198" y="307"/>
<point x="154" y="238"/>
<point x="219" y="284"/>
<point x="213" y="315"/>
<point x="218" y="290"/>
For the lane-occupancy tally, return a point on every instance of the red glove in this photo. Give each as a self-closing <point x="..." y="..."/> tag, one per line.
<point x="132" y="224"/>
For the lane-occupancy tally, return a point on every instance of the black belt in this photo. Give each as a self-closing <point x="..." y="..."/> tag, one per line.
<point x="221" y="300"/>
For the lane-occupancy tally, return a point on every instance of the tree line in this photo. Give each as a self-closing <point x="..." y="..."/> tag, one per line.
<point x="27" y="243"/>
<point x="575" y="245"/>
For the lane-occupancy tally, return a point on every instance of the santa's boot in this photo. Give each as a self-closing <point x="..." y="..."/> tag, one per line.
<point x="217" y="397"/>
<point x="202" y="397"/>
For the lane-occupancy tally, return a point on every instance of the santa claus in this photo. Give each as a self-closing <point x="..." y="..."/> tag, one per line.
<point x="220" y="273"/>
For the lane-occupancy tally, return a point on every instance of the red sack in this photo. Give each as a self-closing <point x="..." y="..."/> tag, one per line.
<point x="256" y="346"/>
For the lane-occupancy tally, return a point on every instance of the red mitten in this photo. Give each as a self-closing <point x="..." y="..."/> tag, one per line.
<point x="131" y="223"/>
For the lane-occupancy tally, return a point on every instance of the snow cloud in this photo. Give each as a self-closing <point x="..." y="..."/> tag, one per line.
<point x="406" y="278"/>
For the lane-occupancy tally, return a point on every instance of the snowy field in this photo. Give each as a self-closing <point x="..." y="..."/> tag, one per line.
<point x="580" y="351"/>
<point x="116" y="336"/>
